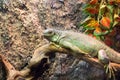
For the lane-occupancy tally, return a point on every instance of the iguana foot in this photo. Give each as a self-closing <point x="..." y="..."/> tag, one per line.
<point x="106" y="62"/>
<point x="110" y="71"/>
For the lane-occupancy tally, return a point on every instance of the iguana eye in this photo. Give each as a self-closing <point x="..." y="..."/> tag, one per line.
<point x="50" y="32"/>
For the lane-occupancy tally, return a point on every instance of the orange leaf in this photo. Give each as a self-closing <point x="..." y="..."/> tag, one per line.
<point x="117" y="1"/>
<point x="105" y="21"/>
<point x="98" y="30"/>
<point x="96" y="24"/>
<point x="93" y="2"/>
<point x="92" y="10"/>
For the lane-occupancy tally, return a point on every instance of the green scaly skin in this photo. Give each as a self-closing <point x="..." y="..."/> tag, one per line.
<point x="81" y="43"/>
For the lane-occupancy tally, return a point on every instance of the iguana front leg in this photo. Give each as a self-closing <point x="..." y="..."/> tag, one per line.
<point x="103" y="58"/>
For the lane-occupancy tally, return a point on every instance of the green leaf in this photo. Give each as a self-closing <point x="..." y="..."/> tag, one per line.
<point x="101" y="34"/>
<point x="89" y="27"/>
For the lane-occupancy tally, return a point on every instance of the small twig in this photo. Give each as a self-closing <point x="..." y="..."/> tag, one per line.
<point x="12" y="73"/>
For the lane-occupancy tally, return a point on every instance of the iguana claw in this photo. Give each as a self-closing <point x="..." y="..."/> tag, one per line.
<point x="110" y="71"/>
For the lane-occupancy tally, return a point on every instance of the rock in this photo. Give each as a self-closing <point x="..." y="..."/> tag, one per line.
<point x="71" y="69"/>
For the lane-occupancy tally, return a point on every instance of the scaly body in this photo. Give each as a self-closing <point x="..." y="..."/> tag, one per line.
<point x="81" y="43"/>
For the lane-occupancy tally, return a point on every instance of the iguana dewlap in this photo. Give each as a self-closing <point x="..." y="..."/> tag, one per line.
<point x="81" y="43"/>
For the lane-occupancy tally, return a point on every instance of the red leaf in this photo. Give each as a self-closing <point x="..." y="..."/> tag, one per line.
<point x="111" y="2"/>
<point x="108" y="41"/>
<point x="113" y="33"/>
<point x="92" y="10"/>
<point x="118" y="19"/>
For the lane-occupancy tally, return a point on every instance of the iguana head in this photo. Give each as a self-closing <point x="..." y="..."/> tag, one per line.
<point x="52" y="35"/>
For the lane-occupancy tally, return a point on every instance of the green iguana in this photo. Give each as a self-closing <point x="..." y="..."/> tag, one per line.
<point x="80" y="43"/>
